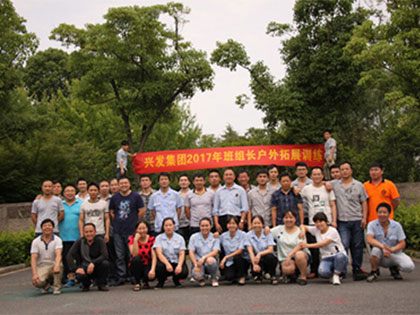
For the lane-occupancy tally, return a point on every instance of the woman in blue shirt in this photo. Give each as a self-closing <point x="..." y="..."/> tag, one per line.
<point x="233" y="265"/>
<point x="170" y="251"/>
<point x="203" y="248"/>
<point x="261" y="251"/>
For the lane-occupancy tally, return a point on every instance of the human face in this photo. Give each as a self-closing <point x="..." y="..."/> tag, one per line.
<point x="205" y="227"/>
<point x="229" y="177"/>
<point x="321" y="225"/>
<point x="104" y="188"/>
<point x="273" y="174"/>
<point x="47" y="228"/>
<point x="89" y="232"/>
<point x="232" y="226"/>
<point x="198" y="183"/>
<point x="57" y="189"/>
<point x="93" y="192"/>
<point x="327" y="135"/>
<point x="383" y="214"/>
<point x="345" y="171"/>
<point x="285" y="182"/>
<point x="335" y="173"/>
<point x="301" y="171"/>
<point x="184" y="182"/>
<point x="82" y="186"/>
<point x="289" y="219"/>
<point x="257" y="225"/>
<point x="169" y="227"/>
<point x="124" y="185"/>
<point x="125" y="147"/>
<point x="114" y="186"/>
<point x="164" y="182"/>
<point x="142" y="230"/>
<point x="243" y="179"/>
<point x="214" y="179"/>
<point x="47" y="188"/>
<point x="69" y="193"/>
<point x="262" y="179"/>
<point x="376" y="173"/>
<point x="317" y="176"/>
<point x="145" y="183"/>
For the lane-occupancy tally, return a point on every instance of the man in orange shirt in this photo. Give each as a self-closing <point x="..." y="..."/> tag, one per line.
<point x="380" y="190"/>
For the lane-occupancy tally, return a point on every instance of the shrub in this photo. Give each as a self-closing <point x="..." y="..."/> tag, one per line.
<point x="15" y="247"/>
<point x="409" y="217"/>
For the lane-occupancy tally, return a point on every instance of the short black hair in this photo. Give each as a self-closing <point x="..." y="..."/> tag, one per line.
<point x="232" y="217"/>
<point x="47" y="221"/>
<point x="164" y="174"/>
<point x="334" y="166"/>
<point x="301" y="163"/>
<point x="81" y="179"/>
<point x="198" y="175"/>
<point x="93" y="184"/>
<point x="320" y="216"/>
<point x="261" y="171"/>
<point x="69" y="185"/>
<point x="214" y="171"/>
<point x="272" y="166"/>
<point x="284" y="174"/>
<point x="184" y="175"/>
<point x="103" y="181"/>
<point x="376" y="164"/>
<point x="242" y="172"/>
<point x="318" y="168"/>
<point x="346" y="162"/>
<point x="384" y="205"/>
<point x="56" y="181"/>
<point x="146" y="176"/>
<point x="291" y="211"/>
<point x="124" y="142"/>
<point x="46" y="180"/>
<point x="229" y="169"/>
<point x="327" y="130"/>
<point x="124" y="177"/>
<point x="89" y="223"/>
<point x="206" y="219"/>
<point x="163" y="223"/>
<point x="142" y="221"/>
<point x="257" y="217"/>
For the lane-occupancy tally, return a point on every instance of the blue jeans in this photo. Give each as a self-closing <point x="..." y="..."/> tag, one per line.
<point x="119" y="173"/>
<point x="352" y="237"/>
<point x="337" y="264"/>
<point x="122" y="254"/>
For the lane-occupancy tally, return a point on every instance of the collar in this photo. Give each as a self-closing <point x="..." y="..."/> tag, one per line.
<point x="195" y="192"/>
<point x="235" y="186"/>
<point x="382" y="181"/>
<point x="45" y="243"/>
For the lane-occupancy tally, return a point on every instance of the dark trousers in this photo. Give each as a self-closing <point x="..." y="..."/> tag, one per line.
<point x="268" y="264"/>
<point x="194" y="230"/>
<point x="112" y="258"/>
<point x="237" y="270"/>
<point x="66" y="249"/>
<point x="185" y="233"/>
<point x="122" y="254"/>
<point x="139" y="270"/>
<point x="162" y="273"/>
<point x="100" y="274"/>
<point x="314" y="253"/>
<point x="223" y="221"/>
<point x="352" y="237"/>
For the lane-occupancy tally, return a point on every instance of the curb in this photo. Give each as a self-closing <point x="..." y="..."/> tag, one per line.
<point x="8" y="269"/>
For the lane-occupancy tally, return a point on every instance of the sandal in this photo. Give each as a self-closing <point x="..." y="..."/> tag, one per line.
<point x="137" y="287"/>
<point x="274" y="280"/>
<point x="301" y="281"/>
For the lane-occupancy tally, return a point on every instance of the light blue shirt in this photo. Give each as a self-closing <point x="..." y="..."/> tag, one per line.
<point x="165" y="206"/>
<point x="202" y="246"/>
<point x="69" y="227"/>
<point x="170" y="247"/>
<point x="231" y="245"/>
<point x="259" y="244"/>
<point x="230" y="201"/>
<point x="394" y="235"/>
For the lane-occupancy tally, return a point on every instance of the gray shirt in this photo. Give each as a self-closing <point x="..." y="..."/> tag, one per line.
<point x="46" y="252"/>
<point x="95" y="213"/>
<point x="47" y="209"/>
<point x="328" y="146"/>
<point x="122" y="157"/>
<point x="200" y="206"/>
<point x="183" y="220"/>
<point x="349" y="201"/>
<point x="260" y="203"/>
<point x="296" y="183"/>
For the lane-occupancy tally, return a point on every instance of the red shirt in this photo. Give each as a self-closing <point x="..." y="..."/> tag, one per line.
<point x="145" y="249"/>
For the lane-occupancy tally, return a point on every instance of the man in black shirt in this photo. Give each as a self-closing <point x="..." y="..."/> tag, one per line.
<point x="90" y="255"/>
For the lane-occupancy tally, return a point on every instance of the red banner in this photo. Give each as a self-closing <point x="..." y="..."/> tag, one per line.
<point x="194" y="159"/>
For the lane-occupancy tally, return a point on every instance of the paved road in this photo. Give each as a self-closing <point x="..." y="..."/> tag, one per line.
<point x="386" y="296"/>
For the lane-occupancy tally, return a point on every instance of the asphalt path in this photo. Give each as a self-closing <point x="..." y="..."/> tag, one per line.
<point x="385" y="296"/>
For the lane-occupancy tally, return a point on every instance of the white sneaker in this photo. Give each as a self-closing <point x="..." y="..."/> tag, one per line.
<point x="336" y="279"/>
<point x="57" y="292"/>
<point x="214" y="283"/>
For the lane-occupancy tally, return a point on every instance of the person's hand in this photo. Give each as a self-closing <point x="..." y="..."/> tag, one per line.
<point x="267" y="230"/>
<point x="56" y="268"/>
<point x="197" y="269"/>
<point x="219" y="228"/>
<point x="241" y="225"/>
<point x="80" y="271"/>
<point x="328" y="186"/>
<point x="363" y="224"/>
<point x="35" y="280"/>
<point x="222" y="263"/>
<point x="256" y="268"/>
<point x="201" y="261"/>
<point x="178" y="270"/>
<point x="287" y="261"/>
<point x="169" y="268"/>
<point x="216" y="234"/>
<point x="329" y="159"/>
<point x="122" y="171"/>
<point x="296" y="190"/>
<point x="106" y="238"/>
<point x="334" y="224"/>
<point x="302" y="233"/>
<point x="303" y="245"/>
<point x="257" y="259"/>
<point x="387" y="253"/>
<point x="90" y="268"/>
<point x="152" y="274"/>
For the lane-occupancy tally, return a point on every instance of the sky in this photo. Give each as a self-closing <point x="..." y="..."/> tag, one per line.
<point x="210" y="21"/>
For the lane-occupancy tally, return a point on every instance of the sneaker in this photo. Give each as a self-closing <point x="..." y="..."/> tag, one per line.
<point x="267" y="276"/>
<point x="192" y="280"/>
<point x="395" y="272"/>
<point x="45" y="291"/>
<point x="359" y="276"/>
<point x="214" y="283"/>
<point x="336" y="279"/>
<point x="202" y="282"/>
<point x="57" y="292"/>
<point x="372" y="276"/>
<point x="70" y="283"/>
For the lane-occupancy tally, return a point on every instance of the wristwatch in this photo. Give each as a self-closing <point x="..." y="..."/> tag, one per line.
<point x="242" y="221"/>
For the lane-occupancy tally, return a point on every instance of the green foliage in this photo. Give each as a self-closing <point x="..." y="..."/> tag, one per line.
<point x="15" y="248"/>
<point x="409" y="217"/>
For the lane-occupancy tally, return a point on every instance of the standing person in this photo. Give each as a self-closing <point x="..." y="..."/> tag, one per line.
<point x="387" y="238"/>
<point x="203" y="248"/>
<point x="300" y="182"/>
<point x="231" y="199"/>
<point x="334" y="259"/>
<point x="318" y="199"/>
<point x="124" y="207"/>
<point x="122" y="155"/>
<point x="198" y="203"/>
<point x="234" y="265"/>
<point x="351" y="201"/>
<point x="82" y="186"/>
<point x="114" y="186"/>
<point x="286" y="199"/>
<point x="95" y="211"/>
<point x="170" y="251"/>
<point x="91" y="258"/>
<point x="104" y="191"/>
<point x="69" y="228"/>
<point x="165" y="203"/>
<point x="273" y="173"/>
<point x="146" y="191"/>
<point x="112" y="256"/>
<point x="335" y="172"/>
<point x="259" y="199"/>
<point x="243" y="180"/>
<point x="380" y="190"/>
<point x="261" y="251"/>
<point x="214" y="180"/>
<point x="46" y="258"/>
<point x="330" y="153"/>
<point x="184" y="222"/>
<point x="57" y="189"/>
<point x="143" y="257"/>
<point x="47" y="207"/>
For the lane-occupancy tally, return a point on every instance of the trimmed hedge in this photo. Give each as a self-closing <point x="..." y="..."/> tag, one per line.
<point x="15" y="247"/>
<point x="409" y="217"/>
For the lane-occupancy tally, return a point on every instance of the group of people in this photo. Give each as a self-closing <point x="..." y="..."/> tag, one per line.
<point x="109" y="234"/>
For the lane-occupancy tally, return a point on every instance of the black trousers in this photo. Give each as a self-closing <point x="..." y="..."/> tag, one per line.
<point x="314" y="253"/>
<point x="162" y="273"/>
<point x="66" y="249"/>
<point x="139" y="270"/>
<point x="268" y="264"/>
<point x="112" y="257"/>
<point x="237" y="270"/>
<point x="185" y="233"/>
<point x="100" y="274"/>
